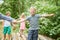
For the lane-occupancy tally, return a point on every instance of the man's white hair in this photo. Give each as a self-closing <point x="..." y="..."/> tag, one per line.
<point x="32" y="7"/>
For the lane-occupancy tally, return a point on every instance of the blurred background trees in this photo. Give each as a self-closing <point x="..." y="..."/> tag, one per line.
<point x="48" y="26"/>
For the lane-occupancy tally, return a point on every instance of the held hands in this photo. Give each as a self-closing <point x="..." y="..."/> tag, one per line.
<point x="14" y="21"/>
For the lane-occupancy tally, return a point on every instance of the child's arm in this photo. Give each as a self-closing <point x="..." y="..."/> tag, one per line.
<point x="21" y="21"/>
<point x="27" y="18"/>
<point x="10" y="19"/>
<point x="6" y="18"/>
<point x="14" y="26"/>
<point x="2" y="23"/>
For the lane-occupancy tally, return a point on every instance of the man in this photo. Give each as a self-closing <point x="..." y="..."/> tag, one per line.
<point x="34" y="26"/>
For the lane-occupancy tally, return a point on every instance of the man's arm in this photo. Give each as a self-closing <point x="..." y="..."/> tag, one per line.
<point x="6" y="18"/>
<point x="47" y="15"/>
<point x="28" y="18"/>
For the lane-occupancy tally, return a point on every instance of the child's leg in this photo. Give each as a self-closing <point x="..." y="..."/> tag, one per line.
<point x="4" y="32"/>
<point x="9" y="37"/>
<point x="4" y="37"/>
<point x="22" y="35"/>
<point x="21" y="31"/>
<point x="35" y="35"/>
<point x="9" y="33"/>
<point x="24" y="38"/>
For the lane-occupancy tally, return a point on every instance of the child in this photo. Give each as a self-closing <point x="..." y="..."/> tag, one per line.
<point x="7" y="27"/>
<point x="34" y="26"/>
<point x="22" y="26"/>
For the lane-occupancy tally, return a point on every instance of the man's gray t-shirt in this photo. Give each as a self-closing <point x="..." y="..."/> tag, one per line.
<point x="33" y="21"/>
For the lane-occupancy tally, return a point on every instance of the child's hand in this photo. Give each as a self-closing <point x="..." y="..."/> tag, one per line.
<point x="14" y="28"/>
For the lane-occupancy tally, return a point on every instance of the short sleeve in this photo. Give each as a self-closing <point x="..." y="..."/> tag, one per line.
<point x="28" y="18"/>
<point x="38" y="15"/>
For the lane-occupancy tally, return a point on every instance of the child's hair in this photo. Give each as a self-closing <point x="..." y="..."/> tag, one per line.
<point x="8" y="12"/>
<point x="22" y="15"/>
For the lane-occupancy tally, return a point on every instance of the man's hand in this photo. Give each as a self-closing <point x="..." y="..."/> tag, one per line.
<point x="47" y="15"/>
<point x="14" y="22"/>
<point x="51" y="14"/>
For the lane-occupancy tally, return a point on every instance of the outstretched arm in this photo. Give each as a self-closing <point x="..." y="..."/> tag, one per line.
<point x="47" y="15"/>
<point x="28" y="18"/>
<point x="21" y="21"/>
<point x="6" y="18"/>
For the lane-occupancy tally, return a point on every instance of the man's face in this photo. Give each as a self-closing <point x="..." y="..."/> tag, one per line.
<point x="32" y="11"/>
